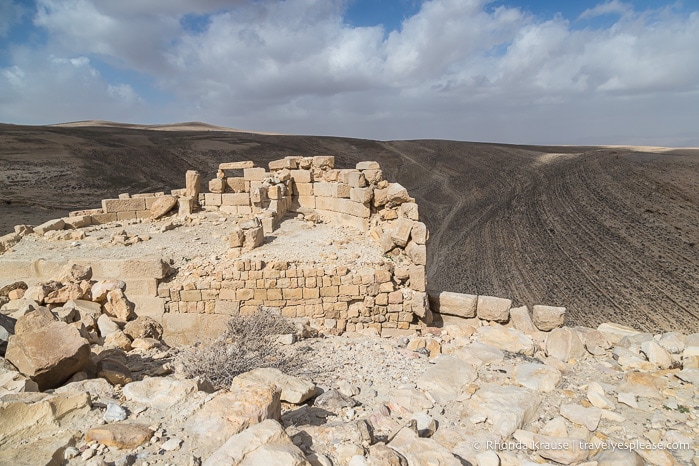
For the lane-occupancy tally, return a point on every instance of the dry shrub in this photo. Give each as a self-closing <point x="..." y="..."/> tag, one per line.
<point x="248" y="343"/>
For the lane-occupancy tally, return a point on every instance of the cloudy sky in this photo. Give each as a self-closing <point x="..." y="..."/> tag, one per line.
<point x="520" y="71"/>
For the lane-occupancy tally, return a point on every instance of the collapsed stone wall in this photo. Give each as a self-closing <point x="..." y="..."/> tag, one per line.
<point x="390" y="294"/>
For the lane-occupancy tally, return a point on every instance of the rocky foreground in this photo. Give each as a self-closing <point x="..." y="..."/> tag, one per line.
<point x="88" y="382"/>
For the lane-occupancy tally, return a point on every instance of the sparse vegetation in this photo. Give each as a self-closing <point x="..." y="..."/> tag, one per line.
<point x="248" y="343"/>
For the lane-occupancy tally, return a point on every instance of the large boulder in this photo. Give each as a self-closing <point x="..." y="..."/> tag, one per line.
<point x="49" y="355"/>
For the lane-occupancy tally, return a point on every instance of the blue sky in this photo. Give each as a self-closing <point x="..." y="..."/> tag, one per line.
<point x="520" y="71"/>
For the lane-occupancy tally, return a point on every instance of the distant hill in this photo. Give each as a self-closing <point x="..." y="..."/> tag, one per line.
<point x="609" y="232"/>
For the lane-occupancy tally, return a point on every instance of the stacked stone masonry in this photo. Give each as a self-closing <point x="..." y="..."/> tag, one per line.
<point x="333" y="295"/>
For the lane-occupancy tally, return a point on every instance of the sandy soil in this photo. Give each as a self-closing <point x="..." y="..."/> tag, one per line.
<point x="609" y="232"/>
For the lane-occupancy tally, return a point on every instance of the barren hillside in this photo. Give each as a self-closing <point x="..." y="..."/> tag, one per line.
<point x="609" y="233"/>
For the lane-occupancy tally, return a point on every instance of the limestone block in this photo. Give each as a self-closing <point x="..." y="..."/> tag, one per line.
<point x="235" y="185"/>
<point x="288" y="163"/>
<point x="143" y="268"/>
<point x="217" y="185"/>
<point x="323" y="161"/>
<point x="373" y="176"/>
<point x="356" y="179"/>
<point x="401" y="232"/>
<point x="122" y="205"/>
<point x="274" y="192"/>
<point x="548" y="317"/>
<point x="236" y="238"/>
<point x="192" y="183"/>
<point x="235" y="199"/>
<point x="187" y="329"/>
<point x="304" y="189"/>
<point x="301" y="176"/>
<point x="254" y="174"/>
<point x="409" y="210"/>
<point x="418" y="278"/>
<point x="101" y="219"/>
<point x="344" y="206"/>
<point x="80" y="221"/>
<point x="564" y="344"/>
<point x="417" y="253"/>
<point x="368" y="165"/>
<point x="380" y="197"/>
<point x="258" y="195"/>
<point x="120" y="435"/>
<point x="493" y="309"/>
<point x="341" y="190"/>
<point x="49" y="355"/>
<point x="456" y="304"/>
<point x="229" y="308"/>
<point x="236" y="165"/>
<point x="127" y="215"/>
<point x="397" y="194"/>
<point x="212" y="199"/>
<point x="323" y="189"/>
<point x="162" y="205"/>
<point x="254" y="237"/>
<point x="419" y="233"/>
<point x="361" y="195"/>
<point x="51" y="225"/>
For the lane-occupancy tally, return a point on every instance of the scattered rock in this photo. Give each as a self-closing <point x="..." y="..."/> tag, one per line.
<point x="120" y="435"/>
<point x="293" y="389"/>
<point x="263" y="443"/>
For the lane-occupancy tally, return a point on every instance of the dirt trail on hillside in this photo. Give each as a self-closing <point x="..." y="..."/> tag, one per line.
<point x="610" y="233"/>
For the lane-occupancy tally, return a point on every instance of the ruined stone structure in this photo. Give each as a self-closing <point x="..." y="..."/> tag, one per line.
<point x="387" y="294"/>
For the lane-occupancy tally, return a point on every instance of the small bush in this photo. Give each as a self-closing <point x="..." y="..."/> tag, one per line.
<point x="248" y="343"/>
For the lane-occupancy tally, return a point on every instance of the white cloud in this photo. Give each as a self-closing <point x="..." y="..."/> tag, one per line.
<point x="51" y="89"/>
<point x="10" y="13"/>
<point x="457" y="69"/>
<point x="611" y="7"/>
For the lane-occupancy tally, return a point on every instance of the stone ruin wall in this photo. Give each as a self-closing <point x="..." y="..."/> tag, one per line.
<point x="191" y="303"/>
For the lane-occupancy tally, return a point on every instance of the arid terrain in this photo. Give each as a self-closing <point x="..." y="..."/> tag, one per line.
<point x="610" y="233"/>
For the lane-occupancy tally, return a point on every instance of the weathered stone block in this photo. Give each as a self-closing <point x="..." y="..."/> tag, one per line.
<point x="304" y="189"/>
<point x="417" y="253"/>
<point x="307" y="201"/>
<point x="254" y="174"/>
<point x="456" y="304"/>
<point x="368" y="165"/>
<point x="236" y="165"/>
<point x="397" y="194"/>
<point x="547" y="318"/>
<point x="301" y="176"/>
<point x="192" y="183"/>
<point x="236" y="199"/>
<point x="495" y="309"/>
<point x="400" y="235"/>
<point x="418" y="279"/>
<point x="123" y="205"/>
<point x="419" y="233"/>
<point x="288" y="163"/>
<point x="236" y="185"/>
<point x="324" y="161"/>
<point x="217" y="185"/>
<point x="361" y="195"/>
<point x="51" y="225"/>
<point x="373" y="176"/>
<point x="212" y="199"/>
<point x="274" y="192"/>
<point x="356" y="179"/>
<point x="409" y="210"/>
